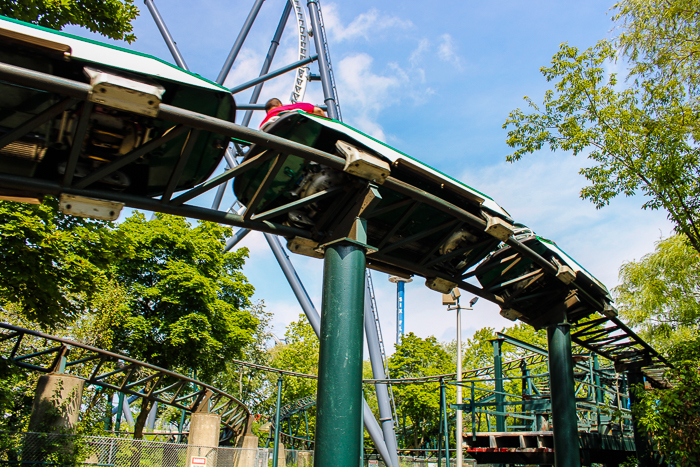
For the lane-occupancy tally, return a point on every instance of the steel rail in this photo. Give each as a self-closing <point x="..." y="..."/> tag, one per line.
<point x="273" y="74"/>
<point x="203" y="122"/>
<point x="78" y="90"/>
<point x="273" y="370"/>
<point x="133" y="363"/>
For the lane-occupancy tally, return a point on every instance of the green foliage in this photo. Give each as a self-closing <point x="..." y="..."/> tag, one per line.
<point x="51" y="264"/>
<point x="641" y="136"/>
<point x="660" y="38"/>
<point x="111" y="18"/>
<point x="251" y="385"/>
<point x="146" y="289"/>
<point x="672" y="416"/>
<point x="660" y="293"/>
<point x="299" y="353"/>
<point x="420" y="403"/>
<point x="184" y="292"/>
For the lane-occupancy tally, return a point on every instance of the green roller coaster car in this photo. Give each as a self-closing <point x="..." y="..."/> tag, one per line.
<point x="112" y="131"/>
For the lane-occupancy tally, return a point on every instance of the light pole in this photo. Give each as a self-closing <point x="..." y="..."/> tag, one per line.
<point x="452" y="302"/>
<point x="400" y="302"/>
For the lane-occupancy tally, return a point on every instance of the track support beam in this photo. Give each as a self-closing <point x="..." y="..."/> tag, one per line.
<point x="339" y="402"/>
<point x="561" y="381"/>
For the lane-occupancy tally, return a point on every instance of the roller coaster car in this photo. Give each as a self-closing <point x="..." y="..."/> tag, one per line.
<point x="535" y="297"/>
<point x="127" y="88"/>
<point x="410" y="235"/>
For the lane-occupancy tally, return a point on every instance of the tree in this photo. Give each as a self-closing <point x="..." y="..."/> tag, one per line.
<point x="298" y="353"/>
<point x="111" y="18"/>
<point x="420" y="402"/>
<point x="660" y="38"/>
<point x="146" y="289"/>
<point x="660" y="293"/>
<point x="671" y="417"/>
<point x="51" y="264"/>
<point x="251" y="385"/>
<point x="184" y="292"/>
<point x="641" y="134"/>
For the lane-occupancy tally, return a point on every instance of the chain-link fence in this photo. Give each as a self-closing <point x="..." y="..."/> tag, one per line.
<point x="410" y="461"/>
<point x="55" y="449"/>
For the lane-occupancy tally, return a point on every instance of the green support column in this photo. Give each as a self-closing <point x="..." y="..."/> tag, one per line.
<point x="339" y="400"/>
<point x="278" y="428"/>
<point x="498" y="377"/>
<point x="641" y="442"/>
<point x="446" y="430"/>
<point x="561" y="382"/>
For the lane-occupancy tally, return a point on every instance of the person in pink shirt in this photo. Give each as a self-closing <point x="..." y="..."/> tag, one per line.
<point x="274" y="107"/>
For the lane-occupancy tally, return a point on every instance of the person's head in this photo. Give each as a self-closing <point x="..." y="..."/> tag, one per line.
<point x="272" y="103"/>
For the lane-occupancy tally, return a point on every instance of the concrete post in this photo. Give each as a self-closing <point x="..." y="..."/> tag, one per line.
<point x="55" y="410"/>
<point x="204" y="433"/>
<point x="56" y="403"/>
<point x="281" y="455"/>
<point x="249" y="450"/>
<point x="304" y="459"/>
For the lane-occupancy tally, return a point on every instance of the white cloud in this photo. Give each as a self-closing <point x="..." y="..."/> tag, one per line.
<point x="419" y="51"/>
<point x="447" y="53"/>
<point x="366" y="93"/>
<point x="365" y="25"/>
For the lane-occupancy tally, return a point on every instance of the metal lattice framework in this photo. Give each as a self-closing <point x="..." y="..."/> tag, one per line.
<point x="44" y="353"/>
<point x="395" y="244"/>
<point x="312" y="180"/>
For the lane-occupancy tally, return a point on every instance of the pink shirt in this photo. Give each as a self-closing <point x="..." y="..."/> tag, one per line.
<point x="308" y="108"/>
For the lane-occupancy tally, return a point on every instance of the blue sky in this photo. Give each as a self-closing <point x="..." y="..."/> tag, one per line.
<point x="437" y="82"/>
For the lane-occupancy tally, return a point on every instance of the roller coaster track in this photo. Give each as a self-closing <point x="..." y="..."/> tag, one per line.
<point x="467" y="237"/>
<point x="50" y="354"/>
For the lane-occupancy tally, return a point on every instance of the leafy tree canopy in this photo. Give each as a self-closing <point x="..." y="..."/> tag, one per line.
<point x="147" y="289"/>
<point x="660" y="293"/>
<point x="51" y="265"/>
<point x="111" y="18"/>
<point x="298" y="353"/>
<point x="671" y="417"/>
<point x="184" y="291"/>
<point x="640" y="134"/>
<point x="420" y="403"/>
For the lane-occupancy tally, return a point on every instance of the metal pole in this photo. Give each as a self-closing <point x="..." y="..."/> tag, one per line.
<point x="440" y="434"/>
<point x="275" y="446"/>
<point x="120" y="406"/>
<point x="340" y="357"/>
<point x="268" y="60"/>
<point x="362" y="434"/>
<point x="375" y="432"/>
<point x="385" y="415"/>
<point x="498" y="376"/>
<point x="445" y="427"/>
<point x="239" y="41"/>
<point x="328" y="95"/>
<point x="561" y="381"/>
<point x="166" y="34"/>
<point x="295" y="282"/>
<point x="459" y="430"/>
<point x="249" y="113"/>
<point x="399" y="311"/>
